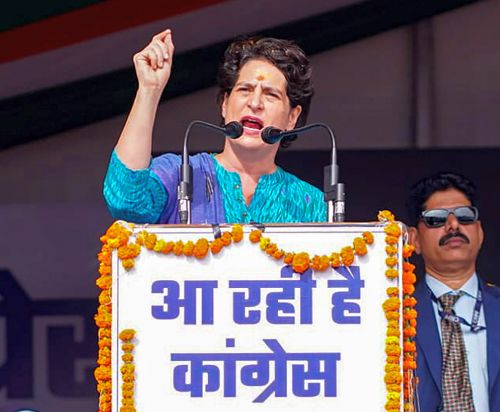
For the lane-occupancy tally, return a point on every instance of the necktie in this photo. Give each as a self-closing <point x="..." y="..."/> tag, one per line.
<point x="457" y="391"/>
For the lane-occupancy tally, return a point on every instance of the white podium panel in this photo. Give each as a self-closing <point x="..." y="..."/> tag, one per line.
<point x="241" y="331"/>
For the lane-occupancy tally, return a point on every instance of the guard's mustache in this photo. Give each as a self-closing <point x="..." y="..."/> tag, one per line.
<point x="450" y="235"/>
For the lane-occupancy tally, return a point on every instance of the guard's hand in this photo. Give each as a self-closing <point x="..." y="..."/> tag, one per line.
<point x="153" y="64"/>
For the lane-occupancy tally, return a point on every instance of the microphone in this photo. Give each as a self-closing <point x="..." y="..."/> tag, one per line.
<point x="233" y="130"/>
<point x="334" y="192"/>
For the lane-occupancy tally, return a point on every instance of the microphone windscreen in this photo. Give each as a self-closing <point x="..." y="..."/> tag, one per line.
<point x="233" y="130"/>
<point x="271" y="135"/>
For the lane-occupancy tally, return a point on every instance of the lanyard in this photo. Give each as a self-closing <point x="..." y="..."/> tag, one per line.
<point x="474" y="326"/>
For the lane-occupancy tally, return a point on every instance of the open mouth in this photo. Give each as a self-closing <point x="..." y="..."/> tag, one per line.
<point x="251" y="122"/>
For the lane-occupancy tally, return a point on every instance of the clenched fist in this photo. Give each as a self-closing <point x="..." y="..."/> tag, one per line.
<point x="153" y="64"/>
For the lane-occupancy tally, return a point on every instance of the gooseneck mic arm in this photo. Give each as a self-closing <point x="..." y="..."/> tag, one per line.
<point x="232" y="130"/>
<point x="334" y="192"/>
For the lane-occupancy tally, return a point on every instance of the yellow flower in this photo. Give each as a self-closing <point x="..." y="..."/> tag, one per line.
<point x="385" y="216"/>
<point x="237" y="233"/>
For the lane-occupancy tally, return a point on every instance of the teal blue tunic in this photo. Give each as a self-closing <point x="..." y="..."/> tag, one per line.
<point x="148" y="195"/>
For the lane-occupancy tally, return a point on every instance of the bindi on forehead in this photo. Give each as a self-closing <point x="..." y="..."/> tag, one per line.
<point x="262" y="75"/>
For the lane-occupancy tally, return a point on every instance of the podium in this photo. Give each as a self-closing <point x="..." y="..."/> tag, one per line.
<point x="274" y="317"/>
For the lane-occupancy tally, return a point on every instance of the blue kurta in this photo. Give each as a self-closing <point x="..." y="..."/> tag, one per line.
<point x="150" y="195"/>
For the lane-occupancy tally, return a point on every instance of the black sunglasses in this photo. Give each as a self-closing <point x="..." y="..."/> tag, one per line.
<point x="438" y="217"/>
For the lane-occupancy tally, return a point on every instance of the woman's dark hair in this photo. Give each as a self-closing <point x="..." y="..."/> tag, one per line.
<point x="289" y="58"/>
<point x="421" y="191"/>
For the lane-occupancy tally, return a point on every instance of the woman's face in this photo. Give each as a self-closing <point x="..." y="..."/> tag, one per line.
<point x="259" y="99"/>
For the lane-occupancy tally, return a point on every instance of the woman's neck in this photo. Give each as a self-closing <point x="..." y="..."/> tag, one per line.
<point x="247" y="162"/>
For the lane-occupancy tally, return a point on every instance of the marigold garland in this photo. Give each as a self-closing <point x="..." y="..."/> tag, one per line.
<point x="392" y="307"/>
<point x="302" y="261"/>
<point x="127" y="370"/>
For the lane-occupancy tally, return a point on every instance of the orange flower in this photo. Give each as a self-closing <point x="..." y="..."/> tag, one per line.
<point x="410" y="314"/>
<point x="392" y="315"/>
<point x="391" y="304"/>
<point x="237" y="233"/>
<point x="347" y="255"/>
<point x="391" y="250"/>
<point x="150" y="241"/>
<point x="393" y="387"/>
<point x="104" y="282"/>
<point x="102" y="373"/>
<point x="300" y="262"/>
<point x="128" y="386"/>
<point x="178" y="247"/>
<point x="201" y="248"/>
<point x="127" y="334"/>
<point x="391" y="240"/>
<point x="216" y="246"/>
<point x="392" y="273"/>
<point x="391" y="367"/>
<point x="128" y="378"/>
<point x="393" y="378"/>
<point x="188" y="248"/>
<point x="335" y="260"/>
<point x="167" y="247"/>
<point x="128" y="264"/>
<point x="127" y="357"/>
<point x="255" y="236"/>
<point x="359" y="246"/>
<point x="103" y="320"/>
<point x="393" y="323"/>
<point x="128" y="347"/>
<point x="105" y="297"/>
<point x="393" y="350"/>
<point x="104" y="342"/>
<point x="393" y="229"/>
<point x="288" y="259"/>
<point x="368" y="237"/>
<point x="392" y="291"/>
<point x="408" y="250"/>
<point x="409" y="346"/>
<point x="128" y="368"/>
<point x="409" y="277"/>
<point x="391" y="261"/>
<point x="104" y="269"/>
<point x="409" y="302"/>
<point x="226" y="238"/>
<point x="271" y="248"/>
<point x="408" y="289"/>
<point x="320" y="263"/>
<point x="392" y="359"/>
<point x="392" y="332"/>
<point x="409" y="365"/>
<point x="279" y="254"/>
<point x="104" y="333"/>
<point x="104" y="386"/>
<point x="409" y="332"/>
<point x="408" y="267"/>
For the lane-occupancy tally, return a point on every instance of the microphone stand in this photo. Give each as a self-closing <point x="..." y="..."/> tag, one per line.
<point x="185" y="188"/>
<point x="334" y="192"/>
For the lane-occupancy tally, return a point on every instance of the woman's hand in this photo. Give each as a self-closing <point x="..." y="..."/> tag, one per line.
<point x="153" y="64"/>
